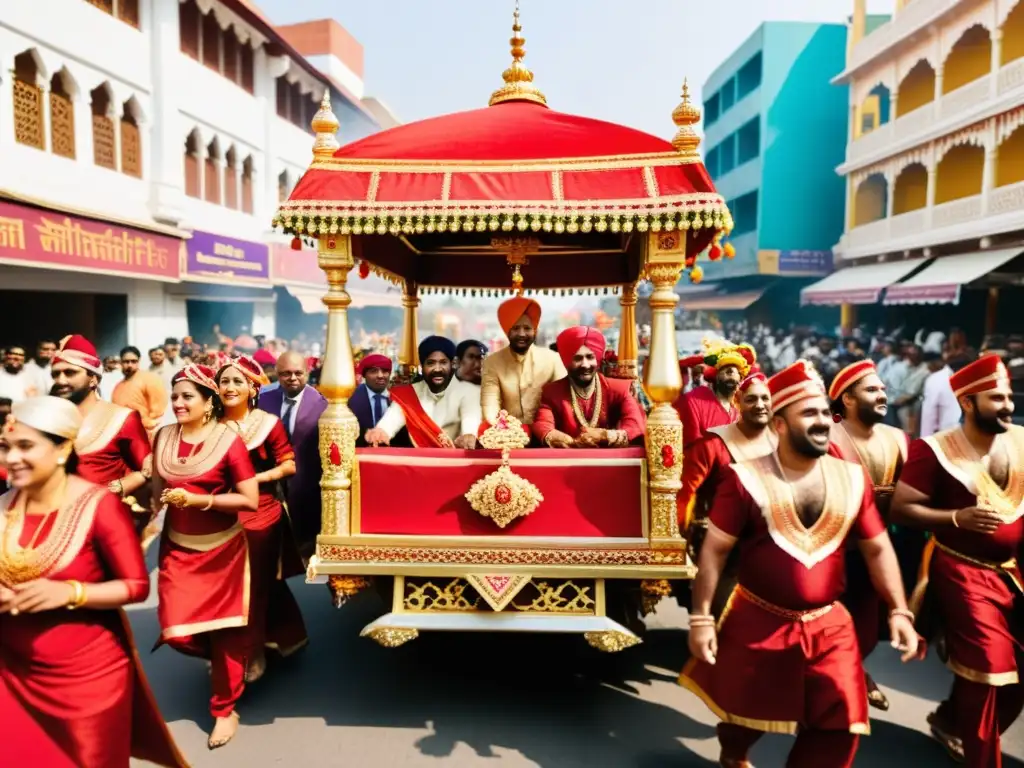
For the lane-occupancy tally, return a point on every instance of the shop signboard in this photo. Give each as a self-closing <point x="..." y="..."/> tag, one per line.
<point x="223" y="260"/>
<point x="41" y="238"/>
<point x="794" y="263"/>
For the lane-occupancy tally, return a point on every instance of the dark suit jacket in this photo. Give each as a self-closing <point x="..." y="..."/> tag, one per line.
<point x="360" y="405"/>
<point x="303" y="489"/>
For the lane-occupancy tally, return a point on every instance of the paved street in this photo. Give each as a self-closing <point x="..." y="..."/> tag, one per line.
<point x="486" y="700"/>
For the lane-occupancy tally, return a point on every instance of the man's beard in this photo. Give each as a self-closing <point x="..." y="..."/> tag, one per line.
<point x="803" y="445"/>
<point x="726" y="387"/>
<point x="583" y="384"/>
<point x="76" y="396"/>
<point x="14" y="370"/>
<point x="437" y="386"/>
<point x="992" y="425"/>
<point x="868" y="415"/>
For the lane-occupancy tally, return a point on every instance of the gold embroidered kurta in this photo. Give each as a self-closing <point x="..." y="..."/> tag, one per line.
<point x="513" y="382"/>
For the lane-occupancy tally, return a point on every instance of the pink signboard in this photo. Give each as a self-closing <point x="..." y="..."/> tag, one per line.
<point x="37" y="237"/>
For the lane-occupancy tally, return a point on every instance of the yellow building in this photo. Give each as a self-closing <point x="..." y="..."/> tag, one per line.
<point x="935" y="156"/>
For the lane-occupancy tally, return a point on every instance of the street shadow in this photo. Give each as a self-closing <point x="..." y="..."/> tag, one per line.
<point x="551" y="698"/>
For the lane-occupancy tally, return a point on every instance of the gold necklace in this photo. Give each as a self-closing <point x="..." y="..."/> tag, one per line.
<point x="177" y="447"/>
<point x="577" y="409"/>
<point x="20" y="556"/>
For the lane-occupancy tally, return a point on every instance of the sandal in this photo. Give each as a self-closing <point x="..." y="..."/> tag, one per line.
<point x="954" y="746"/>
<point x="876" y="698"/>
<point x="224" y="730"/>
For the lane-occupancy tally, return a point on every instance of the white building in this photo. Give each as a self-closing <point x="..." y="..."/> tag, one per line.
<point x="145" y="145"/>
<point x="935" y="159"/>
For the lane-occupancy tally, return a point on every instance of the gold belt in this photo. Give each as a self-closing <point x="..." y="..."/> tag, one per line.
<point x="785" y="613"/>
<point x="1009" y="565"/>
<point x="204" y="542"/>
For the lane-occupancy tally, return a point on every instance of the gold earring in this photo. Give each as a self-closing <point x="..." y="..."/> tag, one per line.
<point x="61" y="461"/>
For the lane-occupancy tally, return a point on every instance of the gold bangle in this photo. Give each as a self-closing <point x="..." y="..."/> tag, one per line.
<point x="955" y="523"/>
<point x="78" y="596"/>
<point x="209" y="504"/>
<point x="905" y="613"/>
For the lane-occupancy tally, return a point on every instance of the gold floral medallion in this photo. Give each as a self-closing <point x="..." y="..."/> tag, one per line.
<point x="503" y="495"/>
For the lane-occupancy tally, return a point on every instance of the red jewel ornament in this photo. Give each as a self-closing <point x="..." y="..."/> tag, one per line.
<point x="668" y="456"/>
<point x="296" y="244"/>
<point x="335" y="454"/>
<point x="503" y="494"/>
<point x="715" y="253"/>
<point x="364" y="270"/>
<point x="837" y="417"/>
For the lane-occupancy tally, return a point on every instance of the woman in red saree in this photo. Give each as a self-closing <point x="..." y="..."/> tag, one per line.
<point x="72" y="690"/>
<point x="202" y="472"/>
<point x="275" y="620"/>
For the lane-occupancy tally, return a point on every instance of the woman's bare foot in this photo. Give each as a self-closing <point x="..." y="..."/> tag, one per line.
<point x="256" y="669"/>
<point x="224" y="729"/>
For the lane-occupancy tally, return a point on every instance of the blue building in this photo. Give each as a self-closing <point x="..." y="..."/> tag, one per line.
<point x="775" y="131"/>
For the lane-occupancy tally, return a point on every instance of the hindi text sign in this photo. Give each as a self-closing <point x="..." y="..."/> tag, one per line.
<point x="225" y="260"/>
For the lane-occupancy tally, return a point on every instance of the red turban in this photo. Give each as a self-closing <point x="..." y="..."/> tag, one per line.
<point x="200" y="375"/>
<point x="985" y="373"/>
<point x="79" y="351"/>
<point x="572" y="339"/>
<point x="374" y="361"/>
<point x="849" y="376"/>
<point x="797" y="382"/>
<point x="264" y="357"/>
<point x="750" y="380"/>
<point x="249" y="368"/>
<point x="510" y="311"/>
<point x="710" y="373"/>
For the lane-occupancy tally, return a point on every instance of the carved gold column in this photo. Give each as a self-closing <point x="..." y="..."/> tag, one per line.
<point x="338" y="425"/>
<point x="408" y="356"/>
<point x="628" y="345"/>
<point x="665" y="258"/>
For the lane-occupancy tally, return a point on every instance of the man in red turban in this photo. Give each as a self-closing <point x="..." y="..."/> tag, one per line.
<point x="513" y="377"/>
<point x="783" y="658"/>
<point x="860" y="405"/>
<point x="112" y="446"/>
<point x="966" y="486"/>
<point x="584" y="409"/>
<point x="702" y="408"/>
<point x="370" y="401"/>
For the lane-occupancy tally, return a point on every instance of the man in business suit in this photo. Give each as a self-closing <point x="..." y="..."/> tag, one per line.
<point x="299" y="406"/>
<point x="370" y="400"/>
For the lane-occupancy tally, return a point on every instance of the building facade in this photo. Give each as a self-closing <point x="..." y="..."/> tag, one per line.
<point x="146" y="145"/>
<point x="774" y="130"/>
<point x="934" y="166"/>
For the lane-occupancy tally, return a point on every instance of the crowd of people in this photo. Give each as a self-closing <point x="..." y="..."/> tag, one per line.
<point x="811" y="510"/>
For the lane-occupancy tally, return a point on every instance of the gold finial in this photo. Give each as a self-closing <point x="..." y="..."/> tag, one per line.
<point x="686" y="115"/>
<point x="325" y="125"/>
<point x="518" y="79"/>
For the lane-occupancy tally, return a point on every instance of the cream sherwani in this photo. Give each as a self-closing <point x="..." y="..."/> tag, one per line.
<point x="456" y="410"/>
<point x="513" y="382"/>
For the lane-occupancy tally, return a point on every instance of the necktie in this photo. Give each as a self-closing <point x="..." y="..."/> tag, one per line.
<point x="378" y="408"/>
<point x="286" y="416"/>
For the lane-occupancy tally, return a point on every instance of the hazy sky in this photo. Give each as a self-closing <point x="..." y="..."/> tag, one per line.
<point x="617" y="60"/>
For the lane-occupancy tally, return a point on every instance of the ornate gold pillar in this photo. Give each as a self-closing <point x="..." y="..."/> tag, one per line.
<point x="665" y="258"/>
<point x="338" y="425"/>
<point x="408" y="356"/>
<point x="628" y="345"/>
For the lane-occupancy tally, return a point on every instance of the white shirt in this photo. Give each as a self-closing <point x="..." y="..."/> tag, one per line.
<point x="109" y="380"/>
<point x="41" y="377"/>
<point x="18" y="386"/>
<point x="939" y="408"/>
<point x="456" y="410"/>
<point x="290" y="426"/>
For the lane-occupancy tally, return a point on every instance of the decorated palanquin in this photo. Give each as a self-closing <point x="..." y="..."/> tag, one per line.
<point x="512" y="198"/>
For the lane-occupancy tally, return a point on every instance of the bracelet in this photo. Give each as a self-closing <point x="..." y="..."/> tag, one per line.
<point x="120" y="487"/>
<point x="701" y="617"/>
<point x="906" y="614"/>
<point x="955" y="523"/>
<point x="209" y="504"/>
<point x="78" y="598"/>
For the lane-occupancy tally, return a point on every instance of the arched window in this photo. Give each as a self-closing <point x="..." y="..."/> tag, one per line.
<point x="1013" y="35"/>
<point x="247" y="174"/>
<point x="871" y="200"/>
<point x="211" y="42"/>
<point x="1010" y="163"/>
<point x="131" y="143"/>
<point x="231" y="68"/>
<point x="28" y="102"/>
<point x="910" y="191"/>
<point x="188" y="28"/>
<point x="193" y="181"/>
<point x="212" y="171"/>
<point x="959" y="173"/>
<point x="916" y="89"/>
<point x="62" y="116"/>
<point x="969" y="59"/>
<point x="104" y="153"/>
<point x="231" y="179"/>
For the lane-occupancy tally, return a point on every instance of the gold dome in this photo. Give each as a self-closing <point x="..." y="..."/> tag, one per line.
<point x="686" y="115"/>
<point x="518" y="79"/>
<point x="325" y="125"/>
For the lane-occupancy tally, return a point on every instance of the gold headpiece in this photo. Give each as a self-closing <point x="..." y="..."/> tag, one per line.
<point x="518" y="79"/>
